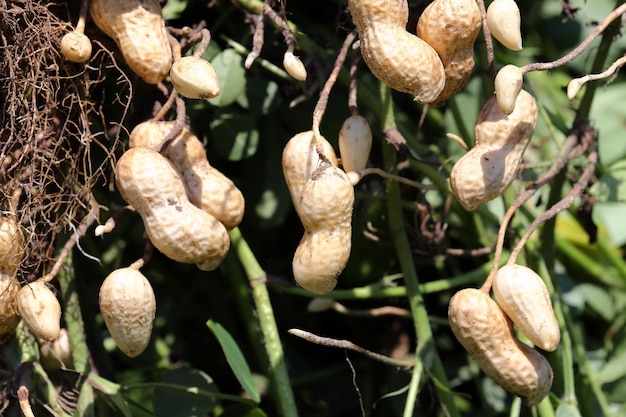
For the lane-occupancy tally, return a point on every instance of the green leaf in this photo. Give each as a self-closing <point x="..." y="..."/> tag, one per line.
<point x="243" y="410"/>
<point x="235" y="359"/>
<point x="173" y="9"/>
<point x="611" y="118"/>
<point x="261" y="96"/>
<point x="567" y="410"/>
<point x="598" y="299"/>
<point x="231" y="73"/>
<point x="188" y="393"/>
<point x="236" y="136"/>
<point x="613" y="370"/>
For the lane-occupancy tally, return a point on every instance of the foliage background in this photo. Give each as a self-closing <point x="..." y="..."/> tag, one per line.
<point x="245" y="129"/>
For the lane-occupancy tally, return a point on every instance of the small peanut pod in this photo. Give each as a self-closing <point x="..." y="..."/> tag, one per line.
<point x="207" y="187"/>
<point x="500" y="141"/>
<point x="181" y="231"/>
<point x="56" y="354"/>
<point x="508" y="84"/>
<point x="194" y="77"/>
<point x="128" y="306"/>
<point x="483" y="329"/>
<point x="355" y="143"/>
<point x="397" y="58"/>
<point x="76" y="47"/>
<point x="138" y="28"/>
<point x="40" y="310"/>
<point x="294" y="66"/>
<point x="504" y="21"/>
<point x="11" y="244"/>
<point x="300" y="159"/>
<point x="524" y="297"/>
<point x="451" y="27"/>
<point x="9" y="317"/>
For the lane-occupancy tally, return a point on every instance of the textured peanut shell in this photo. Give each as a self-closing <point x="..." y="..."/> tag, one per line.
<point x="128" y="305"/>
<point x="138" y="28"/>
<point x="451" y="27"/>
<point x="194" y="77"/>
<point x="485" y="332"/>
<point x="207" y="187"/>
<point x="9" y="317"/>
<point x="524" y="297"/>
<point x="40" y="310"/>
<point x="355" y="143"/>
<point x="500" y="141"/>
<point x="11" y="244"/>
<point x="300" y="159"/>
<point x="397" y="58"/>
<point x="181" y="231"/>
<point x="504" y="21"/>
<point x="56" y="354"/>
<point x="327" y="200"/>
<point x="320" y="258"/>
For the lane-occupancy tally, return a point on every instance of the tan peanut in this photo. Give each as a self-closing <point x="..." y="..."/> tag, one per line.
<point x="138" y="28"/>
<point x="128" y="305"/>
<point x="323" y="197"/>
<point x="483" y="329"/>
<point x="397" y="58"/>
<point x="451" y="27"/>
<point x="11" y="244"/>
<point x="9" y="317"/>
<point x="500" y="141"/>
<point x="508" y="84"/>
<point x="181" y="231"/>
<point x="503" y="19"/>
<point x="355" y="143"/>
<point x="294" y="66"/>
<point x="56" y="354"/>
<point x="194" y="77"/>
<point x="207" y="187"/>
<point x="40" y="310"/>
<point x="76" y="47"/>
<point x="524" y="297"/>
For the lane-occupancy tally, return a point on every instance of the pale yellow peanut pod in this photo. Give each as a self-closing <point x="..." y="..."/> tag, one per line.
<point x="207" y="187"/>
<point x="451" y="27"/>
<point x="397" y="58"/>
<point x="483" y="329"/>
<point x="194" y="77"/>
<point x="300" y="159"/>
<point x="504" y="21"/>
<point x="181" y="231"/>
<point x="500" y="141"/>
<point x="9" y="317"/>
<point x="294" y="66"/>
<point x="524" y="297"/>
<point x="138" y="28"/>
<point x="56" y="354"/>
<point x="12" y="244"/>
<point x="320" y="258"/>
<point x="40" y="310"/>
<point x="508" y="84"/>
<point x="355" y="143"/>
<point x="128" y="306"/>
<point x="326" y="200"/>
<point x="76" y="47"/>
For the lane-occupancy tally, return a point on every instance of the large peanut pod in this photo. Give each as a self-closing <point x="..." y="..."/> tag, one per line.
<point x="194" y="77"/>
<point x="500" y="141"/>
<point x="11" y="244"/>
<point x="355" y="143"/>
<point x="300" y="159"/>
<point x="128" y="305"/>
<point x="40" y="310"/>
<point x="504" y="21"/>
<point x="138" y="28"/>
<point x="483" y="329"/>
<point x="451" y="27"/>
<point x="9" y="318"/>
<point x="397" y="58"/>
<point x="181" y="231"/>
<point x="207" y="187"/>
<point x="524" y="297"/>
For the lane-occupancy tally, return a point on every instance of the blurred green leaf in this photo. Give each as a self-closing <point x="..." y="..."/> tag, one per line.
<point x="613" y="370"/>
<point x="610" y="117"/>
<point x="228" y="65"/>
<point x="185" y="401"/>
<point x="261" y="96"/>
<point x="567" y="410"/>
<point x="235" y="359"/>
<point x="173" y="9"/>
<point x="236" y="136"/>
<point x="612" y="184"/>
<point x="243" y="410"/>
<point x="598" y="299"/>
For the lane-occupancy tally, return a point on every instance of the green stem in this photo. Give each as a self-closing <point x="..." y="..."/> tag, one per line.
<point x="273" y="347"/>
<point x="425" y="352"/>
<point x="190" y="390"/>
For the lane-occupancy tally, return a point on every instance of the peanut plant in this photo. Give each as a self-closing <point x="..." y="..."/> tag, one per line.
<point x="334" y="208"/>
